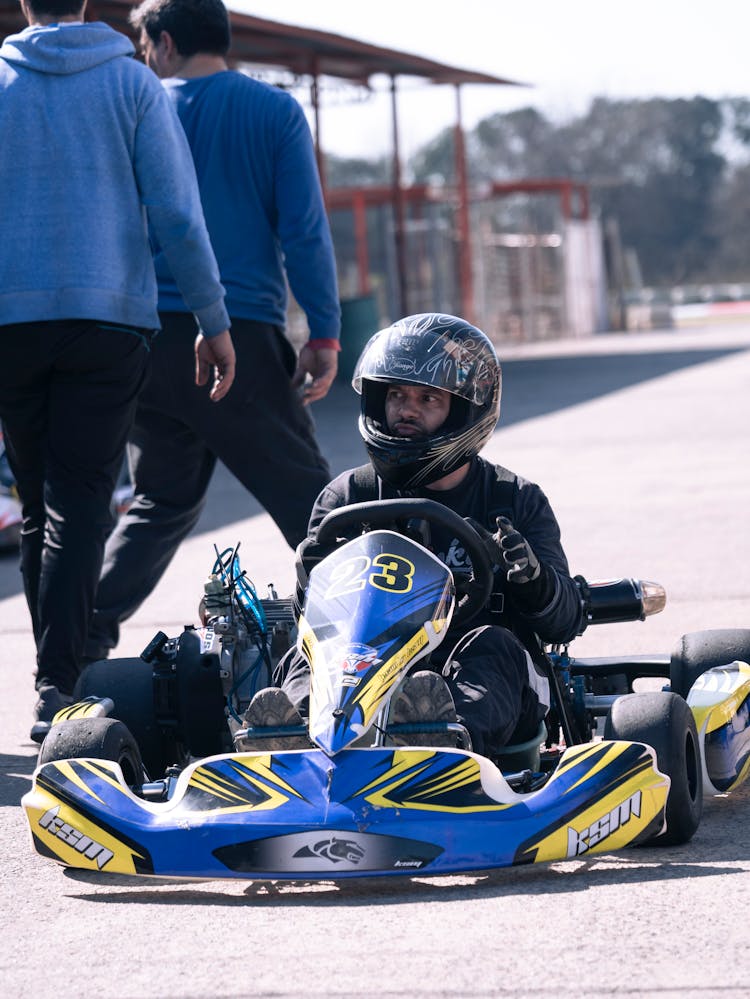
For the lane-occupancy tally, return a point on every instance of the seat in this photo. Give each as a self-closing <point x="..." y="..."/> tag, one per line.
<point x="522" y="755"/>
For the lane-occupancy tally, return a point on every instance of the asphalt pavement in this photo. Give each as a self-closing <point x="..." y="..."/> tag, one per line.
<point x="641" y="443"/>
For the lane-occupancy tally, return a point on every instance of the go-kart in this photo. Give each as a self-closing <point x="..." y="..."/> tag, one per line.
<point x="154" y="771"/>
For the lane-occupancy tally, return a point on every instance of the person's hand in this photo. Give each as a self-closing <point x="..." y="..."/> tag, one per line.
<point x="519" y="561"/>
<point x="322" y="365"/>
<point x="215" y="355"/>
<point x="509" y="551"/>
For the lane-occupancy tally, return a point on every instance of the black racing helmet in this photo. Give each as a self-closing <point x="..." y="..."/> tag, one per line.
<point x="438" y="351"/>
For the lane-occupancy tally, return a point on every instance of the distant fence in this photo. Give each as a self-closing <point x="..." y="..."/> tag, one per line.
<point x="537" y="270"/>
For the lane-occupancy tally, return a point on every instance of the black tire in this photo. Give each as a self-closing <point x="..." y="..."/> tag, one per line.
<point x="699" y="651"/>
<point x="130" y="684"/>
<point x="664" y="721"/>
<point x="99" y="738"/>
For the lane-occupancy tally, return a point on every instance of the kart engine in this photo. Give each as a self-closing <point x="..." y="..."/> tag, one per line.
<point x="205" y="678"/>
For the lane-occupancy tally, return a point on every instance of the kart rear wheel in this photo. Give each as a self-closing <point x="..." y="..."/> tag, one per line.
<point x="699" y="651"/>
<point x="665" y="722"/>
<point x="98" y="738"/>
<point x="130" y="684"/>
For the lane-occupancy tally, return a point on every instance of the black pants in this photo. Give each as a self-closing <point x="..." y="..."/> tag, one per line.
<point x="260" y="431"/>
<point x="68" y="393"/>
<point x="499" y="696"/>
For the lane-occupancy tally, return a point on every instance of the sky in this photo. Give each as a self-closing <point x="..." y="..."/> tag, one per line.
<point x="568" y="51"/>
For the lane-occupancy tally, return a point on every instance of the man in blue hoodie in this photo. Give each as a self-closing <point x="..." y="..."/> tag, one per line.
<point x="265" y="214"/>
<point x="92" y="154"/>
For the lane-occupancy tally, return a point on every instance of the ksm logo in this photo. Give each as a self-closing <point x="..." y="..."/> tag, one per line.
<point x="80" y="842"/>
<point x="581" y="842"/>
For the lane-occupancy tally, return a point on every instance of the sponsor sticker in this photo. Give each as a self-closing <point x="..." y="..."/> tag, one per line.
<point x="53" y="824"/>
<point x="581" y="841"/>
<point x="335" y="849"/>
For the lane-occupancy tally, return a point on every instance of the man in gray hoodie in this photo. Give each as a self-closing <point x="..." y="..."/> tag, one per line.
<point x="92" y="155"/>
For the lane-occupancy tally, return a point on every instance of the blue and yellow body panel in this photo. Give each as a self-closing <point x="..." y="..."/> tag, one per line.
<point x="720" y="702"/>
<point x="373" y="811"/>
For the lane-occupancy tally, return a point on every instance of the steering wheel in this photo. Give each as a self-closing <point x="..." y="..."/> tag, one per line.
<point x="473" y="592"/>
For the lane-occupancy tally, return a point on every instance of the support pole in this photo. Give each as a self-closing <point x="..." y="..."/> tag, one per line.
<point x="399" y="231"/>
<point x="315" y="101"/>
<point x="464" y="233"/>
<point x="359" y="209"/>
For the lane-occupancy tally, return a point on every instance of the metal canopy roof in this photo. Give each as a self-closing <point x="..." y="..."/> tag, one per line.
<point x="303" y="51"/>
<point x="313" y="52"/>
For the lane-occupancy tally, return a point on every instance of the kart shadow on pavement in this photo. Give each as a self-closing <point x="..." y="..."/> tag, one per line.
<point x="557" y="878"/>
<point x="719" y="848"/>
<point x="15" y="777"/>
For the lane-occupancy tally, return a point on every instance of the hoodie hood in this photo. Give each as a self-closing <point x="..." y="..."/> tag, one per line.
<point x="64" y="49"/>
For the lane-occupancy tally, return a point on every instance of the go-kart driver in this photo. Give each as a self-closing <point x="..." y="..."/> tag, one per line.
<point x="430" y="387"/>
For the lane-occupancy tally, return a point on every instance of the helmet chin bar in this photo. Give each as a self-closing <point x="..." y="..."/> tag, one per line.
<point x="410" y="463"/>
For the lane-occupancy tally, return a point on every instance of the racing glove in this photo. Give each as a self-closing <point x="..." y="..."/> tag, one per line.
<point x="532" y="582"/>
<point x="518" y="559"/>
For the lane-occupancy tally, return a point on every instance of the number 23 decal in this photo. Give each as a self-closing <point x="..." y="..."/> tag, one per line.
<point x="385" y="572"/>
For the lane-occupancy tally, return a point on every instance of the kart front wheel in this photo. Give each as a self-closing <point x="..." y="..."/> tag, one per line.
<point x="665" y="722"/>
<point x="97" y="738"/>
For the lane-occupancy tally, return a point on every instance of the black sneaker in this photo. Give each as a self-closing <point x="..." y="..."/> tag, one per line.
<point x="271" y="708"/>
<point x="50" y="702"/>
<point x="424" y="698"/>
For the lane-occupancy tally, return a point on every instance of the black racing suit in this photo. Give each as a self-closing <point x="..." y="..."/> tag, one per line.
<point x="499" y="694"/>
